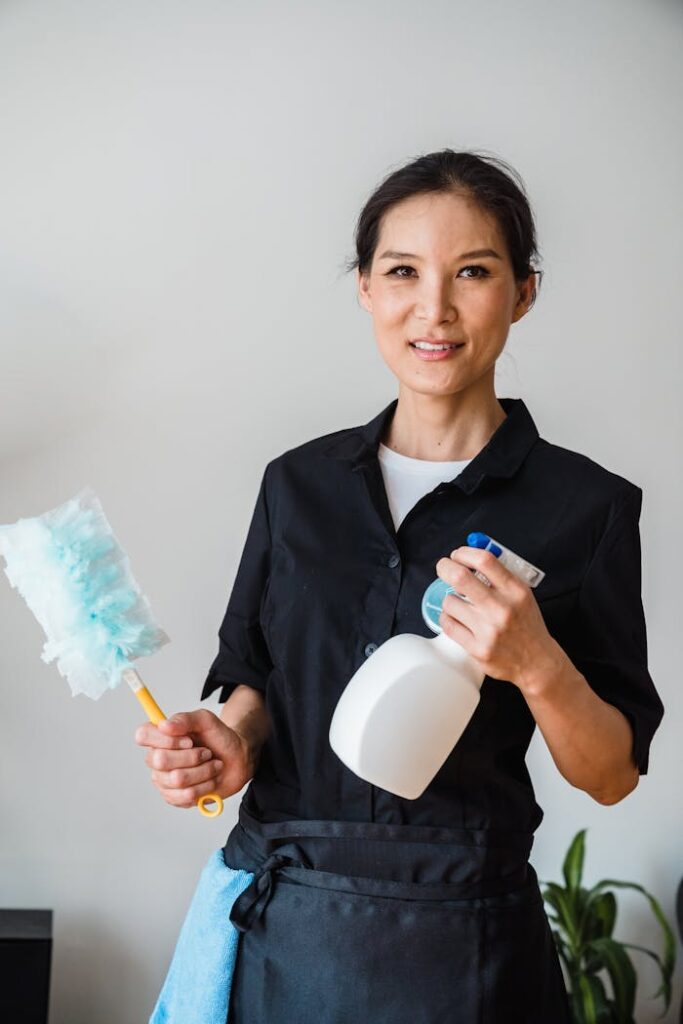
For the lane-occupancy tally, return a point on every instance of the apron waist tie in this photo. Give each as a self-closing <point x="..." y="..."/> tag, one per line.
<point x="251" y="903"/>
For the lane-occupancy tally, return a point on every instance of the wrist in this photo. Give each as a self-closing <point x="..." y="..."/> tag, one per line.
<point x="546" y="674"/>
<point x="251" y="741"/>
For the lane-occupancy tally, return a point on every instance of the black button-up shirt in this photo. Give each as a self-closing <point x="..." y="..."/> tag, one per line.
<point x="325" y="578"/>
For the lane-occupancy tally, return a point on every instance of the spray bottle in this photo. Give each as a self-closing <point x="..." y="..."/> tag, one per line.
<point x="406" y="707"/>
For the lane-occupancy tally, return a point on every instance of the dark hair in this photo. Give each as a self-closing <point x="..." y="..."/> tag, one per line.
<point x="492" y="183"/>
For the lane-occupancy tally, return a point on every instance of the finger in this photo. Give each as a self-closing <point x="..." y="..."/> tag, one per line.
<point x="456" y="631"/>
<point x="167" y="760"/>
<point x="486" y="563"/>
<point x="182" y="778"/>
<point x="185" y="722"/>
<point x="462" y="579"/>
<point x="462" y="611"/>
<point x="187" y="797"/>
<point x="149" y="735"/>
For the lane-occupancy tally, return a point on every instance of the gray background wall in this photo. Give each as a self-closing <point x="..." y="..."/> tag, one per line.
<point x="178" y="189"/>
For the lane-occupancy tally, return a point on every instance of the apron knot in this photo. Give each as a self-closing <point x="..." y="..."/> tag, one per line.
<point x="251" y="903"/>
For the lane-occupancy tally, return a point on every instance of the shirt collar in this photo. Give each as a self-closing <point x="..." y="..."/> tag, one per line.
<point x="501" y="456"/>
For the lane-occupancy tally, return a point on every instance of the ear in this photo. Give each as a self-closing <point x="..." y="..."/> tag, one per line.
<point x="363" y="283"/>
<point x="527" y="290"/>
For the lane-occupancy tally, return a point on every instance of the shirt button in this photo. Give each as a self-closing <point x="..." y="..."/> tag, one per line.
<point x="370" y="649"/>
<point x="393" y="561"/>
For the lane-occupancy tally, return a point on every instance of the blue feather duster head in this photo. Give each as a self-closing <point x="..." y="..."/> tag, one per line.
<point x="76" y="579"/>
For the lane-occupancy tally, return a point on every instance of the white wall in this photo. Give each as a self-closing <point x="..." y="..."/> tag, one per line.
<point x="178" y="189"/>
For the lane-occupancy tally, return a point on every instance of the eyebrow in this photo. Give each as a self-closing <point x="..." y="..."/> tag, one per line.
<point x="389" y="254"/>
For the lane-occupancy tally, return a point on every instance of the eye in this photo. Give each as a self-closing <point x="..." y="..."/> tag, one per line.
<point x="475" y="266"/>
<point x="400" y="267"/>
<point x="483" y="272"/>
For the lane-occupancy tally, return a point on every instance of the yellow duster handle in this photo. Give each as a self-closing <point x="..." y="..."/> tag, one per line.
<point x="156" y="715"/>
<point x="152" y="709"/>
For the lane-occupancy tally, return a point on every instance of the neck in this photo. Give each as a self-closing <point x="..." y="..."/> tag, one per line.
<point x="443" y="428"/>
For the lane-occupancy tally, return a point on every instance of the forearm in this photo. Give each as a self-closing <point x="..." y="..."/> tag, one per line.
<point x="245" y="712"/>
<point x="590" y="740"/>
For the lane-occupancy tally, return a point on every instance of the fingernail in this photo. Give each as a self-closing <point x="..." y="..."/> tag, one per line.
<point x="206" y="754"/>
<point x="186" y="742"/>
<point x="218" y="764"/>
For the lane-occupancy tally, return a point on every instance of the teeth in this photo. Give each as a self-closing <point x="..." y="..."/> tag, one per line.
<point x="431" y="348"/>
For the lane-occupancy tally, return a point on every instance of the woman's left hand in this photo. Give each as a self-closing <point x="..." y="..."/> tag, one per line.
<point x="502" y="628"/>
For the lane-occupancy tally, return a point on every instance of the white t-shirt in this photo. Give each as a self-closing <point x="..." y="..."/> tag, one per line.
<point x="406" y="480"/>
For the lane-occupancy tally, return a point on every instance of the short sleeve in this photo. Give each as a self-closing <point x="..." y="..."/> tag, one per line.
<point x="243" y="655"/>
<point x="609" y="645"/>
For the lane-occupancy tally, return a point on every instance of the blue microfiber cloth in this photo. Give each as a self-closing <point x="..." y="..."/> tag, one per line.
<point x="197" y="986"/>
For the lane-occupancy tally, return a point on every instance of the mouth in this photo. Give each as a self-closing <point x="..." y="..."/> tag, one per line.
<point x="435" y="351"/>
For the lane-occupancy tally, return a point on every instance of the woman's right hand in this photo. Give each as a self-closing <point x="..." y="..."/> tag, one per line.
<point x="194" y="753"/>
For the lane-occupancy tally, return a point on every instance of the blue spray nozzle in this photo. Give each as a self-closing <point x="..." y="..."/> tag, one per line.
<point x="482" y="540"/>
<point x="478" y="540"/>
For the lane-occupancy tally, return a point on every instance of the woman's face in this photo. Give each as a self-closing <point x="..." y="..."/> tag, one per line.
<point x="445" y="290"/>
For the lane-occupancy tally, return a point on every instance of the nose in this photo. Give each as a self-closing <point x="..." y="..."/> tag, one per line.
<point x="435" y="301"/>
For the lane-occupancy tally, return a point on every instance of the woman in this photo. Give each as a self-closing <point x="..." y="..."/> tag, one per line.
<point x="367" y="906"/>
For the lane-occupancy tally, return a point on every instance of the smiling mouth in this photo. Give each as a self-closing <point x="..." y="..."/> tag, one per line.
<point x="423" y="347"/>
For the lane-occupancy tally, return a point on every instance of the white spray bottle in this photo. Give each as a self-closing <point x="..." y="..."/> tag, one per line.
<point x="406" y="707"/>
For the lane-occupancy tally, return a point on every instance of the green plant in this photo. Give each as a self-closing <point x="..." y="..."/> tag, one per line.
<point x="585" y="921"/>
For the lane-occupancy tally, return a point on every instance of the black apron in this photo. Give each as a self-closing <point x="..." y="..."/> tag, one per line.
<point x="368" y="923"/>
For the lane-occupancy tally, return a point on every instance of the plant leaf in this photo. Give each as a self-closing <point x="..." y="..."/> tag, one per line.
<point x="591" y="961"/>
<point x="621" y="972"/>
<point x="653" y="955"/>
<point x="593" y="1005"/>
<point x="572" y="869"/>
<point x="560" y="900"/>
<point x="599" y="915"/>
<point x="669" y="956"/>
